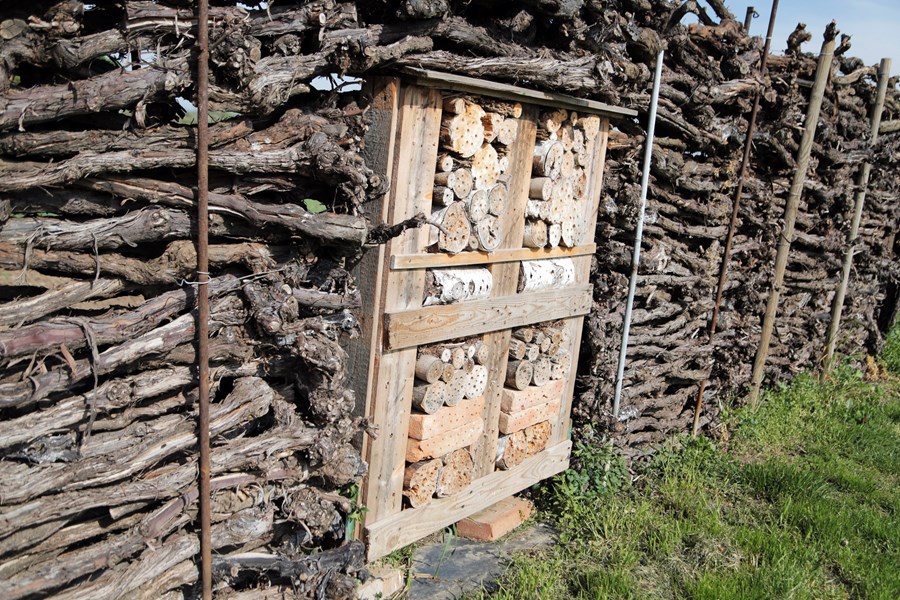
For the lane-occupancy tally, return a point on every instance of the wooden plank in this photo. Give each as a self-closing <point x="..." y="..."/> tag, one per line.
<point x="389" y="406"/>
<point x="582" y="275"/>
<point x="506" y="279"/>
<point x="431" y="324"/>
<point x="422" y="426"/>
<point x="403" y="528"/>
<point x="516" y="400"/>
<point x="505" y="91"/>
<point x="438" y="260"/>
<point x="379" y="156"/>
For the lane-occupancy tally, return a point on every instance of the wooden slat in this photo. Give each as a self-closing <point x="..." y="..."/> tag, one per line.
<point x="506" y="279"/>
<point x="389" y="406"/>
<point x="438" y="323"/>
<point x="401" y="262"/>
<point x="461" y="83"/>
<point x="403" y="528"/>
<point x="582" y="275"/>
<point x="379" y="156"/>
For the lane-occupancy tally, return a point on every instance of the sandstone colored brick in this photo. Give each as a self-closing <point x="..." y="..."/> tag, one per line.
<point x="496" y="520"/>
<point x="445" y="443"/>
<point x="385" y="582"/>
<point x="510" y="422"/>
<point x="518" y="400"/>
<point x="423" y="427"/>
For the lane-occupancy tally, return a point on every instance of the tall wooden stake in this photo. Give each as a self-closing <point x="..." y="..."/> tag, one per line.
<point x="862" y="182"/>
<point x="735" y="207"/>
<point x="823" y="70"/>
<point x="203" y="293"/>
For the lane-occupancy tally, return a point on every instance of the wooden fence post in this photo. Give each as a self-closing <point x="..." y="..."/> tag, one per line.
<point x="823" y="71"/>
<point x="884" y="73"/>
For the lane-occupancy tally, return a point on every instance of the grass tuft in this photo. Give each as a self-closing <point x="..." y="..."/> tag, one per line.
<point x="802" y="501"/>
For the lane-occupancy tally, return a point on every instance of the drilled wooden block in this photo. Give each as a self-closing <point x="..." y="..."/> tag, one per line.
<point x="423" y="427"/>
<point x="514" y="401"/>
<point x="510" y="422"/>
<point x="444" y="443"/>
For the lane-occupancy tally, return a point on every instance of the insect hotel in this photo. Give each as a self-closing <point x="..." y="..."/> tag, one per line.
<point x="473" y="321"/>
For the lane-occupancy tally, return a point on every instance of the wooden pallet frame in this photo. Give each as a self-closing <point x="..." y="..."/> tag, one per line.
<point x="402" y="146"/>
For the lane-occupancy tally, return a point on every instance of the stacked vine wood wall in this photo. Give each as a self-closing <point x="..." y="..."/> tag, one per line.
<point x="96" y="211"/>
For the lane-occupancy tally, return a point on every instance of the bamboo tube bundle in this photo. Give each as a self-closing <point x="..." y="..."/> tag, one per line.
<point x="448" y="286"/>
<point x="456" y="474"/>
<point x="546" y="274"/>
<point x="420" y="481"/>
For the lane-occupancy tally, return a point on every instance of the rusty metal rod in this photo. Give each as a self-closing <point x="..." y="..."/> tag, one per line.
<point x="203" y="292"/>
<point x="735" y="207"/>
<point x="748" y="18"/>
<point x="862" y="183"/>
<point x="823" y="73"/>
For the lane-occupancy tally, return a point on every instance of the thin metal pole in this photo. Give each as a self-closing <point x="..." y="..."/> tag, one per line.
<point x="823" y="70"/>
<point x="735" y="207"/>
<point x="639" y="232"/>
<point x="862" y="183"/>
<point x="203" y="291"/>
<point x="748" y="18"/>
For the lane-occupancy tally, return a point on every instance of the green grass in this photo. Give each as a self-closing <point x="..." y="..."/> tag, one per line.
<point x="801" y="501"/>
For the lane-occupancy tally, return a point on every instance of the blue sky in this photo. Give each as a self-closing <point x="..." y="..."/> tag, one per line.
<point x="874" y="24"/>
